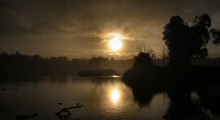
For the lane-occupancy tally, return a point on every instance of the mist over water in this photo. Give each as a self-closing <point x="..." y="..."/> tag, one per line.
<point x="103" y="98"/>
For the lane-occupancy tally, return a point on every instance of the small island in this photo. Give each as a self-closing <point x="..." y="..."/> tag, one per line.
<point x="98" y="73"/>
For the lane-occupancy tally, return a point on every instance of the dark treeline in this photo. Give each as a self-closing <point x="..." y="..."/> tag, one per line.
<point x="18" y="64"/>
<point x="23" y="65"/>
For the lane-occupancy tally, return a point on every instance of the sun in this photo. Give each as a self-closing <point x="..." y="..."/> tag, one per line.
<point x="115" y="42"/>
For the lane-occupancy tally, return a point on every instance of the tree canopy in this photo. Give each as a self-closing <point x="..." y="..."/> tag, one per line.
<point x="186" y="42"/>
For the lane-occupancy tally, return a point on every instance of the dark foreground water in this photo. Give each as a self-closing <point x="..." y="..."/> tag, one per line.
<point x="103" y="98"/>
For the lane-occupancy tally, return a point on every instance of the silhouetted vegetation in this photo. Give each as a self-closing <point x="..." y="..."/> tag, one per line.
<point x="147" y="79"/>
<point x="18" y="65"/>
<point x="180" y="78"/>
<point x="186" y="42"/>
<point x="142" y="70"/>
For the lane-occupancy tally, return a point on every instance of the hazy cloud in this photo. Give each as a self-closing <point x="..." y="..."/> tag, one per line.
<point x="75" y="27"/>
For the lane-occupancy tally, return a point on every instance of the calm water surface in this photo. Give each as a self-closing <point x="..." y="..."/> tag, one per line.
<point x="103" y="99"/>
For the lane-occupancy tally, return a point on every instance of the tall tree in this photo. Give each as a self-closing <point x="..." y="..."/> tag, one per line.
<point x="186" y="42"/>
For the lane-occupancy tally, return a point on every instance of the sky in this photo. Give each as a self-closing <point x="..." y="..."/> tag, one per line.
<point x="81" y="28"/>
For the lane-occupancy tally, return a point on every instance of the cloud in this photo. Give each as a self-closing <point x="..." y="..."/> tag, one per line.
<point x="58" y="25"/>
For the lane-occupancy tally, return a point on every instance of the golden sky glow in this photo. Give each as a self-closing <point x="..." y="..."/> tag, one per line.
<point x="74" y="28"/>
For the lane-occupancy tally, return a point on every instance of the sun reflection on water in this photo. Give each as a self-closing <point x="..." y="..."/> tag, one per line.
<point x="115" y="95"/>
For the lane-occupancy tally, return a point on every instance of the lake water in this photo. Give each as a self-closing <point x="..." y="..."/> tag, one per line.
<point x="103" y="98"/>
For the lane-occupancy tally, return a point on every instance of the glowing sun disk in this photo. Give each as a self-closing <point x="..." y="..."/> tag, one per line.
<point x="115" y="42"/>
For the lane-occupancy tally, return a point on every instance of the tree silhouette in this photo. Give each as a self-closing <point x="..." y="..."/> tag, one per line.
<point x="145" y="59"/>
<point x="186" y="42"/>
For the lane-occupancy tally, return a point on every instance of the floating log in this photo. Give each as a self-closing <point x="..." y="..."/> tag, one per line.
<point x="24" y="117"/>
<point x="65" y="110"/>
